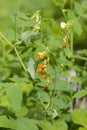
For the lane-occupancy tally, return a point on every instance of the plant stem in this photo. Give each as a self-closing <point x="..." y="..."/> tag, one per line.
<point x="2" y="36"/>
<point x="19" y="58"/>
<point x="72" y="40"/>
<point x="82" y="104"/>
<point x="22" y="64"/>
<point x="15" y="26"/>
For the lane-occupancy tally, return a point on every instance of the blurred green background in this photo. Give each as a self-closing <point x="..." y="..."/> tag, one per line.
<point x="51" y="8"/>
<point x="7" y="7"/>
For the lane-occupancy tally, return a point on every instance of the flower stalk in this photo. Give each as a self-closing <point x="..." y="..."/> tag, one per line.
<point x="19" y="58"/>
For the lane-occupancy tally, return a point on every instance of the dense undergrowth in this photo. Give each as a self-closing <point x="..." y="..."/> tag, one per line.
<point x="43" y="71"/>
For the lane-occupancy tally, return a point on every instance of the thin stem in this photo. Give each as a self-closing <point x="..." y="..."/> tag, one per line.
<point x="4" y="55"/>
<point x="82" y="104"/>
<point x="14" y="50"/>
<point x="72" y="40"/>
<point x="41" y="100"/>
<point x="64" y="14"/>
<point x="19" y="58"/>
<point x="15" y="26"/>
<point x="2" y="36"/>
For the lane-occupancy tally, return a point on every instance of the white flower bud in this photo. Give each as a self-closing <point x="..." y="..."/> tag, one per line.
<point x="63" y="25"/>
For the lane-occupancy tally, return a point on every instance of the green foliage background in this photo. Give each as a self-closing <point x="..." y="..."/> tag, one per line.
<point x="7" y="7"/>
<point x="25" y="103"/>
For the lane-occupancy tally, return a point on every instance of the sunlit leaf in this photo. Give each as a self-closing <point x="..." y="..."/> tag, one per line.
<point x="27" y="35"/>
<point x="25" y="124"/>
<point x="78" y="8"/>
<point x="56" y="125"/>
<point x="77" y="28"/>
<point x="80" y="117"/>
<point x="62" y="85"/>
<point x="44" y="96"/>
<point x="82" y="128"/>
<point x="14" y="96"/>
<point x="84" y="4"/>
<point x="7" y="123"/>
<point x="31" y="68"/>
<point x="80" y="94"/>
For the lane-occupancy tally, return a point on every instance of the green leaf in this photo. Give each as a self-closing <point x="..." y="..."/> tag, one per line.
<point x="22" y="112"/>
<point x="80" y="94"/>
<point x="84" y="4"/>
<point x="67" y="117"/>
<point x="60" y="3"/>
<point x="44" y="96"/>
<point x="22" y="15"/>
<point x="7" y="123"/>
<point x="31" y="68"/>
<point x="57" y="125"/>
<point x="60" y="125"/>
<point x="80" y="117"/>
<point x="14" y="96"/>
<point x="84" y="16"/>
<point x="27" y="35"/>
<point x="71" y="15"/>
<point x="82" y="128"/>
<point x="62" y="85"/>
<point x="78" y="8"/>
<point x="77" y="28"/>
<point x="6" y="84"/>
<point x="77" y="80"/>
<point x="17" y="79"/>
<point x="60" y="103"/>
<point x="25" y="124"/>
<point x="10" y="33"/>
<point x="19" y="20"/>
<point x="18" y="15"/>
<point x="45" y="125"/>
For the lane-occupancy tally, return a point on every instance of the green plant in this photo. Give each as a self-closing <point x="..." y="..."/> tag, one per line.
<point x="42" y="75"/>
